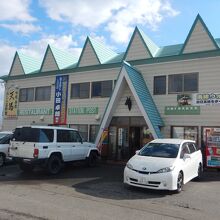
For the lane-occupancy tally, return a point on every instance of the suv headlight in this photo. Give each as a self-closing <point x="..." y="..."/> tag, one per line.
<point x="129" y="166"/>
<point x="166" y="169"/>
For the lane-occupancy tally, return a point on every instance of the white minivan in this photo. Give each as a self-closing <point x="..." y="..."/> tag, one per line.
<point x="50" y="147"/>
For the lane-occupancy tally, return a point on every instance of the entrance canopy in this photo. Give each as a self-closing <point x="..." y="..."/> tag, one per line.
<point x="142" y="96"/>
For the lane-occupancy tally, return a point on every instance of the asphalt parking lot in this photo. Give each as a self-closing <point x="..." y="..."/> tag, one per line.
<point x="98" y="193"/>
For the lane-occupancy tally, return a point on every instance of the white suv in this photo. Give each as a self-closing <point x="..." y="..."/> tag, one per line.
<point x="49" y="147"/>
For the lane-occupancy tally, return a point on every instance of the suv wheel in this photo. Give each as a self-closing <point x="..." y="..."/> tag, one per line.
<point x="179" y="182"/>
<point x="2" y="159"/>
<point x="92" y="159"/>
<point x="54" y="165"/>
<point x="26" y="167"/>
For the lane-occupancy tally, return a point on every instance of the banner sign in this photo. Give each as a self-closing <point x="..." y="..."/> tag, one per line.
<point x="35" y="111"/>
<point x="60" y="100"/>
<point x="206" y="99"/>
<point x="182" y="110"/>
<point x="83" y="110"/>
<point x="11" y="103"/>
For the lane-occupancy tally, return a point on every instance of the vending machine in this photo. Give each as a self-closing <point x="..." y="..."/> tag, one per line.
<point x="211" y="142"/>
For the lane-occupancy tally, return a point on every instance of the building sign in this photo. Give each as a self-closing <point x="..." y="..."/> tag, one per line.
<point x="182" y="110"/>
<point x="83" y="110"/>
<point x="11" y="103"/>
<point x="60" y="100"/>
<point x="184" y="99"/>
<point x="35" y="111"/>
<point x="206" y="99"/>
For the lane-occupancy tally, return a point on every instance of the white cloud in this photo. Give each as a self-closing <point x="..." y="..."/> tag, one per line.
<point x="37" y="48"/>
<point x="6" y="57"/>
<point x="23" y="28"/>
<point x="15" y="10"/>
<point x="86" y="13"/>
<point x="119" y="16"/>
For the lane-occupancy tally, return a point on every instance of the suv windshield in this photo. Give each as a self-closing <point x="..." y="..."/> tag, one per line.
<point x="6" y="139"/>
<point x="28" y="134"/>
<point x="165" y="150"/>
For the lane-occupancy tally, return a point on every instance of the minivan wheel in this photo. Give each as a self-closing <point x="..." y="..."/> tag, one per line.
<point x="179" y="182"/>
<point x="2" y="160"/>
<point x="26" y="167"/>
<point x="54" y="165"/>
<point x="92" y="159"/>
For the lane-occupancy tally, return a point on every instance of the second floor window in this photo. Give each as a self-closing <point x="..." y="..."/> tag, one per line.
<point x="26" y="95"/>
<point x="187" y="82"/>
<point x="80" y="90"/>
<point x="102" y="89"/>
<point x="43" y="93"/>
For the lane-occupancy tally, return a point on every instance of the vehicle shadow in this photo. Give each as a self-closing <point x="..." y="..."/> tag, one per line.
<point x="103" y="181"/>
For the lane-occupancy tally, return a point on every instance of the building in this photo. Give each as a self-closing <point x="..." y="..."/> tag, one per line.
<point x="124" y="99"/>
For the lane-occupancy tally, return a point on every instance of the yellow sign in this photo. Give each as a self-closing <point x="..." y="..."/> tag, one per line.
<point x="11" y="104"/>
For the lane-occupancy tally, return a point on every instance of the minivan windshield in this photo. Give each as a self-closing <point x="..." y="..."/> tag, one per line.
<point x="28" y="134"/>
<point x="164" y="150"/>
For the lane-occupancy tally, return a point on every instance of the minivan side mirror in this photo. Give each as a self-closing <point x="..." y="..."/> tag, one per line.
<point x="186" y="156"/>
<point x="137" y="151"/>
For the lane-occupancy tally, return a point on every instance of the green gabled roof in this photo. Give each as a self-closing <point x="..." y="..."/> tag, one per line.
<point x="63" y="59"/>
<point x="152" y="47"/>
<point x="103" y="53"/>
<point x="29" y="64"/>
<point x="199" y="18"/>
<point x="118" y="58"/>
<point x="145" y="97"/>
<point x="170" y="50"/>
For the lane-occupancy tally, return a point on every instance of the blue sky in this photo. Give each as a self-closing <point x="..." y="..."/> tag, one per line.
<point x="29" y="25"/>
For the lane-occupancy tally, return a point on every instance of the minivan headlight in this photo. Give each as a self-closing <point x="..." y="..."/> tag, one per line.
<point x="166" y="169"/>
<point x="128" y="165"/>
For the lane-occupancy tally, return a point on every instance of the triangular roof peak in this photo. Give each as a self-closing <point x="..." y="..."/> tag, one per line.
<point x="23" y="64"/>
<point x="57" y="59"/>
<point x="95" y="52"/>
<point x="199" y="38"/>
<point x="140" y="46"/>
<point x="142" y="96"/>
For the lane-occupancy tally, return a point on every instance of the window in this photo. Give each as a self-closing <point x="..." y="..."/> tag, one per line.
<point x="26" y="95"/>
<point x="80" y="90"/>
<point x="185" y="150"/>
<point x="43" y="93"/>
<point x="183" y="83"/>
<point x="28" y="134"/>
<point x="93" y="132"/>
<point x="159" y="85"/>
<point x="192" y="147"/>
<point x="68" y="136"/>
<point x="102" y="88"/>
<point x="185" y="132"/>
<point x="83" y="130"/>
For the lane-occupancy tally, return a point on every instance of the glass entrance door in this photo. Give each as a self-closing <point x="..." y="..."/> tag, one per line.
<point x="123" y="143"/>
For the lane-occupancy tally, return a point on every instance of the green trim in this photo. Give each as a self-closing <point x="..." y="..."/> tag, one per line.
<point x="83" y="50"/>
<point x="198" y="18"/>
<point x="45" y="55"/>
<point x="190" y="56"/>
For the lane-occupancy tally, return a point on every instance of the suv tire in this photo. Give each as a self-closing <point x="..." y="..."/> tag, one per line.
<point x="92" y="159"/>
<point x="26" y="167"/>
<point x="54" y="164"/>
<point x="2" y="159"/>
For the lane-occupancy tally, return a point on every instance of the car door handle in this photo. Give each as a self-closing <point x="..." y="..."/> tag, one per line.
<point x="58" y="146"/>
<point x="74" y="146"/>
<point x="45" y="147"/>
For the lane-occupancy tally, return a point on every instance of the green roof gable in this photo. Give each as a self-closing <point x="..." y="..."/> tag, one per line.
<point x="199" y="18"/>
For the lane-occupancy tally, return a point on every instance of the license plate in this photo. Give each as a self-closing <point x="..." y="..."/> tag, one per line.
<point x="142" y="180"/>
